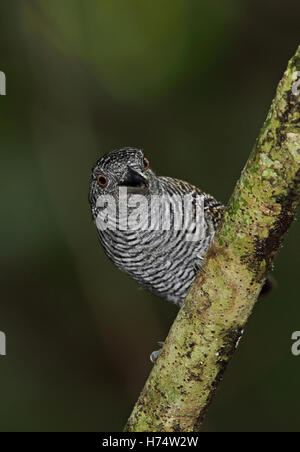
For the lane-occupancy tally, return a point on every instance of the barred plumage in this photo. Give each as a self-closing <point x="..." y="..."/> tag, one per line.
<point x="164" y="261"/>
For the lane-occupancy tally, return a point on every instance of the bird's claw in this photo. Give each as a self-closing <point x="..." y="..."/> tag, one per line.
<point x="154" y="355"/>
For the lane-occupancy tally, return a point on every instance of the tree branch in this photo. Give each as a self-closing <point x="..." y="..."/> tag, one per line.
<point x="206" y="331"/>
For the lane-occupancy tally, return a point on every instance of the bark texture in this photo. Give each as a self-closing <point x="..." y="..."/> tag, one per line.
<point x="206" y="331"/>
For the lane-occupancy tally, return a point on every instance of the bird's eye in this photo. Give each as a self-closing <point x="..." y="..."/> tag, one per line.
<point x="146" y="163"/>
<point x="102" y="180"/>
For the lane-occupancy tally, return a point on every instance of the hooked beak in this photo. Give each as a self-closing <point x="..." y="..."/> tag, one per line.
<point x="134" y="180"/>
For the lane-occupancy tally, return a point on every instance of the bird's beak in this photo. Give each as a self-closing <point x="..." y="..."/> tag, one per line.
<point x="134" y="180"/>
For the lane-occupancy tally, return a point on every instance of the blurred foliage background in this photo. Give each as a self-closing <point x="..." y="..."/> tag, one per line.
<point x="188" y="81"/>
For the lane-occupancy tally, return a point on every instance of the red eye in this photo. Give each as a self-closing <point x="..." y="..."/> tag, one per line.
<point x="102" y="180"/>
<point x="146" y="163"/>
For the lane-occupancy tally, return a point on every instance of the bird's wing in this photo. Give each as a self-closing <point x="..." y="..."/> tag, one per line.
<point x="212" y="207"/>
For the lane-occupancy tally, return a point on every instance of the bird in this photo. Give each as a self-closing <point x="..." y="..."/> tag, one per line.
<point x="172" y="224"/>
<point x="163" y="260"/>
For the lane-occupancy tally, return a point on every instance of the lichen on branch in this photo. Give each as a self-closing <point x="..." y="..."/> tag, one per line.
<point x="206" y="331"/>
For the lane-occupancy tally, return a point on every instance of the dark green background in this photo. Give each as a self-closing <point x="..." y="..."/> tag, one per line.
<point x="191" y="83"/>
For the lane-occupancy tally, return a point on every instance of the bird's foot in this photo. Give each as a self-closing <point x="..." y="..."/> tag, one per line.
<point x="198" y="265"/>
<point x="154" y="355"/>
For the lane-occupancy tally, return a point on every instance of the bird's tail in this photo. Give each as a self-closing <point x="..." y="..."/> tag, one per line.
<point x="268" y="286"/>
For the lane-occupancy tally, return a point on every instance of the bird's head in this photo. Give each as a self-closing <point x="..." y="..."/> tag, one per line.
<point x="126" y="167"/>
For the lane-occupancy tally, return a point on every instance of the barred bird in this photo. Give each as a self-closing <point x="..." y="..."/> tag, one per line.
<point x="164" y="261"/>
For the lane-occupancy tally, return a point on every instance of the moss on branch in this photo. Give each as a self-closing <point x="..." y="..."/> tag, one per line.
<point x="206" y="331"/>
